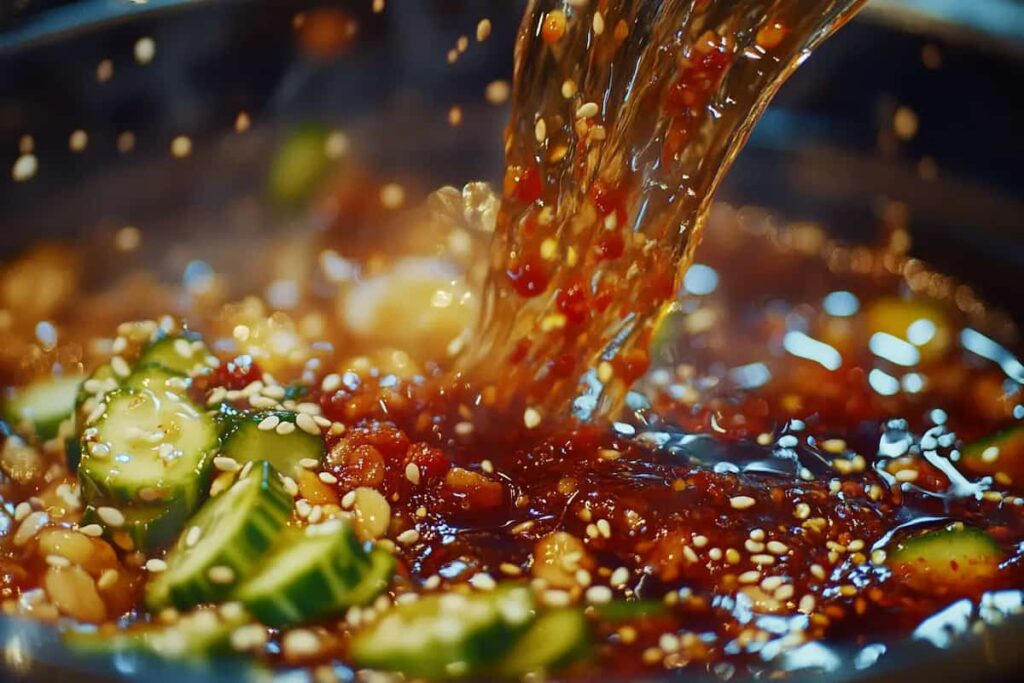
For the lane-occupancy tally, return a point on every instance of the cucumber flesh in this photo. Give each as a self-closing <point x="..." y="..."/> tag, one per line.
<point x="147" y="446"/>
<point x="556" y="639"/>
<point x="158" y="378"/>
<point x="39" y="408"/>
<point x="1002" y="452"/>
<point x="310" y="573"/>
<point x="186" y="354"/>
<point x="375" y="580"/>
<point x="149" y="529"/>
<point x="954" y="559"/>
<point x="195" y="635"/>
<point x="246" y="442"/>
<point x="445" y="636"/>
<point x="235" y="529"/>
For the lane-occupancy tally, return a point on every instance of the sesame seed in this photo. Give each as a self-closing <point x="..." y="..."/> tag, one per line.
<point x="300" y="642"/>
<point x="94" y="530"/>
<point x="587" y="110"/>
<point x="412" y="473"/>
<point x="770" y="583"/>
<point x="145" y="50"/>
<point x="348" y="500"/>
<point x="556" y="598"/>
<point x="750" y="576"/>
<point x="107" y="579"/>
<point x="568" y="89"/>
<point x="599" y="595"/>
<point x="221" y="575"/>
<point x="155" y="566"/>
<point x="284" y="428"/>
<point x="268" y="423"/>
<point x="181" y="146"/>
<point x="483" y="30"/>
<point x="483" y="581"/>
<point x="110" y="516"/>
<point x="303" y="508"/>
<point x="604" y="528"/>
<point x="732" y="556"/>
<point x="741" y="502"/>
<point x="497" y="92"/>
<point x="540" y="131"/>
<point x="307" y="424"/>
<point x="784" y="592"/>
<point x="248" y="637"/>
<point x="226" y="464"/>
<point x="25" y="167"/>
<point x="327" y="478"/>
<point x="120" y="366"/>
<point x="598" y="23"/>
<point x="762" y="558"/>
<point x="777" y="548"/>
<point x="289" y="485"/>
<point x="619" y="577"/>
<point x="22" y="510"/>
<point x="531" y="418"/>
<point x="192" y="537"/>
<point x="330" y="383"/>
<point x="408" y="537"/>
<point x="246" y="469"/>
<point x="58" y="561"/>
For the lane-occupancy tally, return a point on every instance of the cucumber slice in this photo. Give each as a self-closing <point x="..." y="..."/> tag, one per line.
<point x="158" y="378"/>
<point x="1002" y="452"/>
<point x="445" y="636"/>
<point x="147" y="446"/>
<point x="186" y="354"/>
<point x="149" y="529"/>
<point x="235" y="529"/>
<point x="245" y="441"/>
<point x="376" y="578"/>
<point x="556" y="639"/>
<point x="628" y="610"/>
<point x="954" y="559"/>
<point x="311" y="573"/>
<point x="39" y="408"/>
<point x="299" y="165"/>
<point x="195" y="635"/>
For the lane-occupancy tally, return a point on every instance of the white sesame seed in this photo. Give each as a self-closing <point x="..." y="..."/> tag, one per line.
<point x="300" y="642"/>
<point x="408" y="537"/>
<point x="587" y="110"/>
<point x="248" y="637"/>
<point x="307" y="424"/>
<point x="303" y="508"/>
<point x="531" y="418"/>
<point x="120" y="366"/>
<point x="221" y="574"/>
<point x="246" y="469"/>
<point x="107" y="579"/>
<point x="58" y="561"/>
<point x="619" y="577"/>
<point x="156" y="566"/>
<point x="275" y="392"/>
<point x="330" y="383"/>
<point x="741" y="502"/>
<point x="604" y="528"/>
<point x="226" y="464"/>
<point x="777" y="548"/>
<point x="285" y="428"/>
<point x="556" y="598"/>
<point x="112" y="517"/>
<point x="348" y="500"/>
<point x="269" y="423"/>
<point x="309" y="463"/>
<point x="327" y="478"/>
<point x="192" y="537"/>
<point x="750" y="576"/>
<point x="289" y="485"/>
<point x="568" y="88"/>
<point x="412" y="473"/>
<point x="599" y="595"/>
<point x="94" y="530"/>
<point x="598" y="23"/>
<point x="540" y="131"/>
<point x="22" y="510"/>
<point x="483" y="581"/>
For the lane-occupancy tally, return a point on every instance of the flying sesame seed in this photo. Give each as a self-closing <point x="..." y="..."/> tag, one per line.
<point x="531" y="418"/>
<point x="78" y="140"/>
<point x="112" y="517"/>
<point x="483" y="30"/>
<point x="336" y="145"/>
<point x="392" y="196"/>
<point x="378" y="6"/>
<point x="497" y="92"/>
<point x="181" y="146"/>
<point x="145" y="50"/>
<point x="462" y="44"/>
<point x="741" y="502"/>
<point x="104" y="71"/>
<point x="412" y="473"/>
<point x="155" y="566"/>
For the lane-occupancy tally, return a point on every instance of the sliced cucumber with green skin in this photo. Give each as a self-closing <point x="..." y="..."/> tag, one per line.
<point x="1002" y="452"/>
<point x="40" y="407"/>
<point x="244" y="441"/>
<point x="445" y="636"/>
<point x="149" y="529"/>
<point x="235" y="529"/>
<point x="555" y="640"/>
<point x="156" y="377"/>
<point x="196" y="635"/>
<point x="186" y="354"/>
<point x="311" y="573"/>
<point x="627" y="610"/>
<point x="146" y="447"/>
<point x="954" y="559"/>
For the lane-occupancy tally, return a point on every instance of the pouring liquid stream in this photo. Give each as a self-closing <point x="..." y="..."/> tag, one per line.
<point x="626" y="115"/>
